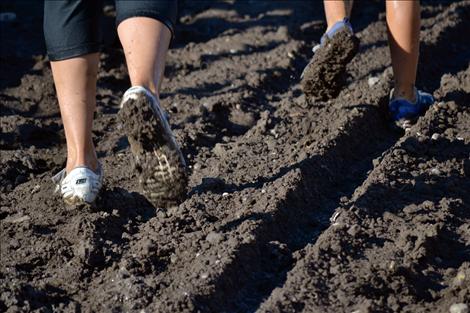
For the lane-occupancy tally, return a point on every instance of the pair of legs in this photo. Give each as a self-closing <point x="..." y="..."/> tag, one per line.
<point x="145" y="42"/>
<point x="403" y="22"/>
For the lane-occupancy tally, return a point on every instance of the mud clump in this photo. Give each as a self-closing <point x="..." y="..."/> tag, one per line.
<point x="324" y="76"/>
<point x="157" y="157"/>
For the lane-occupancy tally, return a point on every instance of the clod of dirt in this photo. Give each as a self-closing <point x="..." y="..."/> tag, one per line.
<point x="372" y="81"/>
<point x="458" y="308"/>
<point x="214" y="237"/>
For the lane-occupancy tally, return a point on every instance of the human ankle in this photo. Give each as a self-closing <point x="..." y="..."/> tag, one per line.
<point x="334" y="21"/>
<point x="90" y="161"/>
<point x="147" y="85"/>
<point x="407" y="92"/>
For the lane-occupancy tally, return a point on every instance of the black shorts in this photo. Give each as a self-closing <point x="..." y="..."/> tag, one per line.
<point x="72" y="27"/>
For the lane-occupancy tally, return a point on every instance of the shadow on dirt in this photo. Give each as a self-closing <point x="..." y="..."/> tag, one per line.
<point x="122" y="209"/>
<point x="447" y="54"/>
<point x="427" y="194"/>
<point x="22" y="40"/>
<point x="324" y="180"/>
<point x="291" y="14"/>
<point x="28" y="135"/>
<point x="49" y="297"/>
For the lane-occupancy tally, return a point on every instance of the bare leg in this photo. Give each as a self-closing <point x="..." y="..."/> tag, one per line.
<point x="403" y="21"/>
<point x="337" y="10"/>
<point x="145" y="41"/>
<point x="158" y="160"/>
<point x="75" y="82"/>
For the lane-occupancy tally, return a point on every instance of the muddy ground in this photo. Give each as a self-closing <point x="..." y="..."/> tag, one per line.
<point x="292" y="207"/>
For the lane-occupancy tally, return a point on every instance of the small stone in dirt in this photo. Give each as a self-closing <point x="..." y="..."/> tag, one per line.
<point x="459" y="279"/>
<point x="354" y="230"/>
<point x="244" y="120"/>
<point x="435" y="171"/>
<point x="35" y="189"/>
<point x="406" y="124"/>
<point x="435" y="136"/>
<point x="19" y="219"/>
<point x="452" y="106"/>
<point x="334" y="217"/>
<point x="225" y="194"/>
<point x="458" y="308"/>
<point x="14" y="243"/>
<point x="211" y="106"/>
<point x="204" y="275"/>
<point x="219" y="150"/>
<point x="376" y="162"/>
<point x="214" y="237"/>
<point x="372" y="81"/>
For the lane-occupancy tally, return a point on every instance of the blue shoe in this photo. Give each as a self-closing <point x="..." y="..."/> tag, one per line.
<point x="344" y="24"/>
<point x="404" y="110"/>
<point x="341" y="25"/>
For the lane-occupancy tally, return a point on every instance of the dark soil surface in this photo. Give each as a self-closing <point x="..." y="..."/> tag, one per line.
<point x="292" y="206"/>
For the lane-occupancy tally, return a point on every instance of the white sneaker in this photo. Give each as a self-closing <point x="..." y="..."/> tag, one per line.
<point x="81" y="185"/>
<point x="158" y="160"/>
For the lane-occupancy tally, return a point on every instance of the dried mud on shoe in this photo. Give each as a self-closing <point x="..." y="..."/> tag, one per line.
<point x="324" y="76"/>
<point x="157" y="158"/>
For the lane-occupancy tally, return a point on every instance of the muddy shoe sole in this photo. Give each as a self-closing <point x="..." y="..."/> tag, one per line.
<point x="323" y="77"/>
<point x="157" y="158"/>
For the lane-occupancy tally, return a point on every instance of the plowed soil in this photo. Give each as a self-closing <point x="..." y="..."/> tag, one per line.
<point x="293" y="206"/>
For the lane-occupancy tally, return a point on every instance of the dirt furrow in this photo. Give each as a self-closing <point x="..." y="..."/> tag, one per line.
<point x="235" y="293"/>
<point x="401" y="243"/>
<point x="231" y="217"/>
<point x="91" y="241"/>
